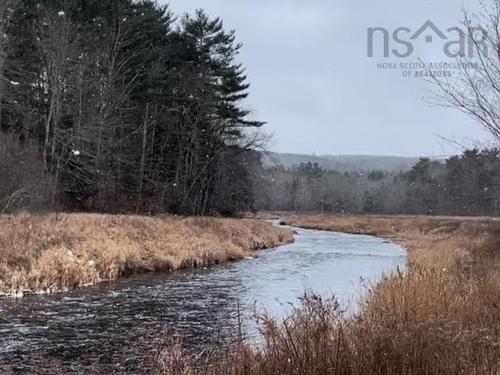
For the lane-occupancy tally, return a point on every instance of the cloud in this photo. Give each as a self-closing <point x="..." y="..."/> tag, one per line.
<point x="314" y="85"/>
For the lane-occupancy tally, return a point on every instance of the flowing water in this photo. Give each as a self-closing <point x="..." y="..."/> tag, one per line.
<point x="113" y="327"/>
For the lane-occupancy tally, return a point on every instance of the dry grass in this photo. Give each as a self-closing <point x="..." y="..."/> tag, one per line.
<point x="46" y="253"/>
<point x="442" y="316"/>
<point x="433" y="242"/>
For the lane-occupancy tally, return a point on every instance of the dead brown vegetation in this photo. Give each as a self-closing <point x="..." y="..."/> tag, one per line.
<point x="48" y="253"/>
<point x="441" y="316"/>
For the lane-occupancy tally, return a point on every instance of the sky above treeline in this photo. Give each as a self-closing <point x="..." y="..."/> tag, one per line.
<point x="318" y="90"/>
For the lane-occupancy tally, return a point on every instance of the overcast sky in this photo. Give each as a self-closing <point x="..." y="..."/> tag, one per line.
<point x="314" y="84"/>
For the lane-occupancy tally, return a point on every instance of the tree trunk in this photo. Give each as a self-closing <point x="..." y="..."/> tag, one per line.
<point x="142" y="166"/>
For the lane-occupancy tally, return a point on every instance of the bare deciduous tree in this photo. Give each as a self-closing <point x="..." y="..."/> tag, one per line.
<point x="56" y="36"/>
<point x="475" y="88"/>
<point x="7" y="9"/>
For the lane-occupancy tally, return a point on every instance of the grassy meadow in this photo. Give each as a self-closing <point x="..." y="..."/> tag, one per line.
<point x="441" y="316"/>
<point x="51" y="253"/>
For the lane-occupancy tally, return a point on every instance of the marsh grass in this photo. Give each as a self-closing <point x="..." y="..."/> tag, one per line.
<point x="49" y="253"/>
<point x="441" y="316"/>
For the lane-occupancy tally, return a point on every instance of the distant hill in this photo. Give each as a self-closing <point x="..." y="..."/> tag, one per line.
<point x="344" y="163"/>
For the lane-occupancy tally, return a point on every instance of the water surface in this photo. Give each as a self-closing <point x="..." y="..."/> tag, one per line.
<point x="113" y="327"/>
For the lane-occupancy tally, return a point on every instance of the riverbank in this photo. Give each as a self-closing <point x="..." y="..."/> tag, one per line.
<point x="49" y="253"/>
<point x="432" y="242"/>
<point x="440" y="316"/>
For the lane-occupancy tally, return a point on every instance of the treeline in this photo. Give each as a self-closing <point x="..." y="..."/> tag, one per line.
<point x="118" y="105"/>
<point x="468" y="184"/>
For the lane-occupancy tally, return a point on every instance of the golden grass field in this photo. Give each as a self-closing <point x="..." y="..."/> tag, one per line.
<point x="441" y="316"/>
<point x="49" y="253"/>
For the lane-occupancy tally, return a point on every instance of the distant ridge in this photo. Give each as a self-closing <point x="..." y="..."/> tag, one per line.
<point x="343" y="163"/>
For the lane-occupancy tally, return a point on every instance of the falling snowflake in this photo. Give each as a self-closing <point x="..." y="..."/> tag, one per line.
<point x="76" y="152"/>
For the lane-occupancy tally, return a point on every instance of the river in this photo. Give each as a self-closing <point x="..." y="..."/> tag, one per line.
<point x="113" y="327"/>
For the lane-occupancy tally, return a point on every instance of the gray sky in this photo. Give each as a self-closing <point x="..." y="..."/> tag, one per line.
<point x="319" y="92"/>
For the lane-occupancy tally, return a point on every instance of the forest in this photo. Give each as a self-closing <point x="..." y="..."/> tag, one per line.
<point x="121" y="106"/>
<point x="467" y="184"/>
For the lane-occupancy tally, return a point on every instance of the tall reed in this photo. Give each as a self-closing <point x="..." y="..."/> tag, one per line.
<point x="441" y="316"/>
